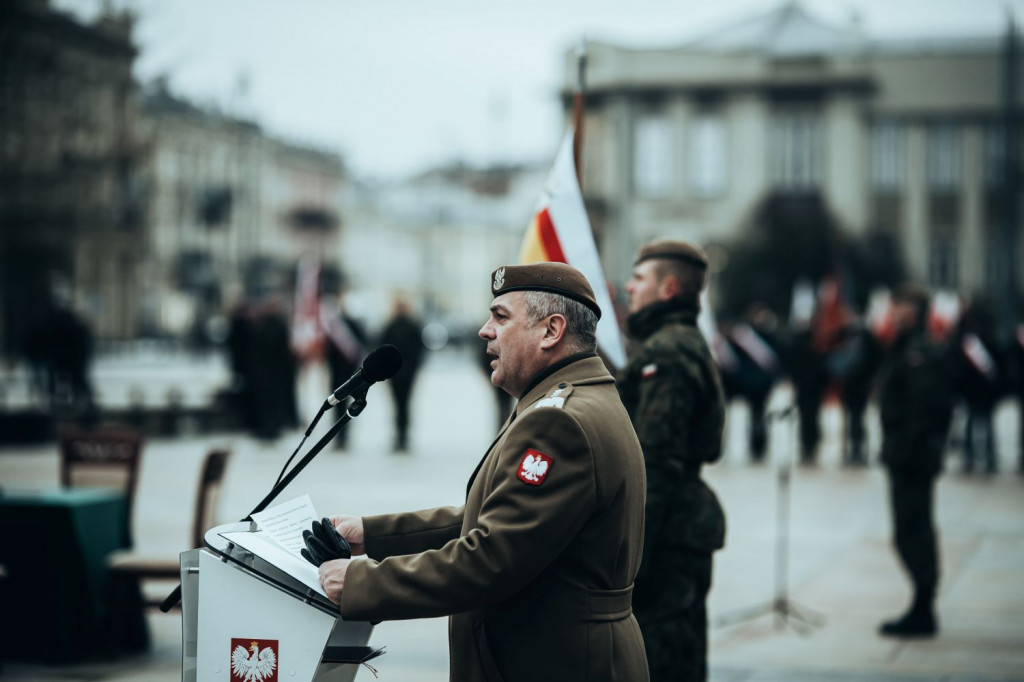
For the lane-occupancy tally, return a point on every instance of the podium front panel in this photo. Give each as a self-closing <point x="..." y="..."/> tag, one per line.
<point x="246" y="622"/>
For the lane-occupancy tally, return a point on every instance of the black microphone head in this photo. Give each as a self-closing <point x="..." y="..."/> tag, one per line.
<point x="382" y="363"/>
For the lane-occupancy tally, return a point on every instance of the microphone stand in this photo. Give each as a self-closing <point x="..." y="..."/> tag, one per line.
<point x="353" y="411"/>
<point x="802" y="619"/>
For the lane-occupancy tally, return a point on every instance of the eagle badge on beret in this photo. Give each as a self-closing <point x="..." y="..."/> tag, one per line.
<point x="499" y="278"/>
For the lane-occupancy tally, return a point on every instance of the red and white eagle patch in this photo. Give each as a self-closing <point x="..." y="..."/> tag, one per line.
<point x="534" y="467"/>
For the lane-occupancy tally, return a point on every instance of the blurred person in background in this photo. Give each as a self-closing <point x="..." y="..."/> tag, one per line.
<point x="344" y="349"/>
<point x="405" y="332"/>
<point x="805" y="364"/>
<point x="239" y="345"/>
<point x="673" y="394"/>
<point x="756" y="368"/>
<point x="978" y="368"/>
<point x="274" y="370"/>
<point x="536" y="569"/>
<point x="63" y="343"/>
<point x="914" y="403"/>
<point x="856" y="362"/>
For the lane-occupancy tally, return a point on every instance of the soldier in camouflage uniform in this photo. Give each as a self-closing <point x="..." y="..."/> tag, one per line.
<point x="914" y="402"/>
<point x="673" y="394"/>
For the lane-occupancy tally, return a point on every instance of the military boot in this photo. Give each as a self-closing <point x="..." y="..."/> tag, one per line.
<point x="919" y="621"/>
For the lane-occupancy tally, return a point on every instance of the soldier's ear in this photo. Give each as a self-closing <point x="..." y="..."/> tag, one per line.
<point x="669" y="287"/>
<point x="554" y="331"/>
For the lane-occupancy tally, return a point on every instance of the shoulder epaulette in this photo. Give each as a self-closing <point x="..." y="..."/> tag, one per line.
<point x="556" y="398"/>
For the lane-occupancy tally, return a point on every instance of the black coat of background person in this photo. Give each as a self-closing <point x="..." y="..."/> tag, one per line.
<point x="405" y="332"/>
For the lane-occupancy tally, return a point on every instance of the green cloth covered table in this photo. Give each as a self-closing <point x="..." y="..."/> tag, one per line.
<point x="55" y="597"/>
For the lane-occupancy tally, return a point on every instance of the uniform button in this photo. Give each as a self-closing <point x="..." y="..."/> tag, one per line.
<point x="562" y="385"/>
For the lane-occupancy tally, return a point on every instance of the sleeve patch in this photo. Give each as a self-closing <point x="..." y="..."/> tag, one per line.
<point x="649" y="371"/>
<point x="534" y="467"/>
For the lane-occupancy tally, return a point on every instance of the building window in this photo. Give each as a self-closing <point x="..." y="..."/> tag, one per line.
<point x="997" y="274"/>
<point x="942" y="265"/>
<point x="887" y="211"/>
<point x="653" y="166"/>
<point x="888" y="157"/>
<point x="796" y="150"/>
<point x="709" y="155"/>
<point x="995" y="155"/>
<point x="943" y="158"/>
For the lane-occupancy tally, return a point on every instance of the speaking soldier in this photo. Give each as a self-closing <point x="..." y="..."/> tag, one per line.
<point x="536" y="568"/>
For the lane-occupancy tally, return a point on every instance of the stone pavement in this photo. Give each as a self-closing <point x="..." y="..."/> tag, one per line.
<point x="841" y="564"/>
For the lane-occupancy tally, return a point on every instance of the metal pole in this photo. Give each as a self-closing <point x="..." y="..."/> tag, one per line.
<point x="579" y="110"/>
<point x="1011" y="183"/>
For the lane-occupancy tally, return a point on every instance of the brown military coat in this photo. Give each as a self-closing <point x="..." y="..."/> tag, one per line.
<point x="536" y="570"/>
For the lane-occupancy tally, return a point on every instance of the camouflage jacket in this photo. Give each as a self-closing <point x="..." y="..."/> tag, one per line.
<point x="915" y="402"/>
<point x="673" y="394"/>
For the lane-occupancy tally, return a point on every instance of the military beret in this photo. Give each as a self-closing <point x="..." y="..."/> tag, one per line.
<point x="674" y="249"/>
<point x="556" y="278"/>
<point x="911" y="293"/>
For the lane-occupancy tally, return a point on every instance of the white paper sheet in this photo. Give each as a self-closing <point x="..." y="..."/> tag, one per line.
<point x="284" y="523"/>
<point x="279" y="539"/>
<point x="265" y="548"/>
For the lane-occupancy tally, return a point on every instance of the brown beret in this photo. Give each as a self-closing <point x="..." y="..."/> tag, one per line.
<point x="557" y="278"/>
<point x="911" y="293"/>
<point x="674" y="249"/>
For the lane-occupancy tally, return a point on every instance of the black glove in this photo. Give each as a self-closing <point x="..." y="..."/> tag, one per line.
<point x="324" y="543"/>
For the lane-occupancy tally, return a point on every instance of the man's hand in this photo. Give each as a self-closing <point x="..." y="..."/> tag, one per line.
<point x="332" y="577"/>
<point x="351" y="528"/>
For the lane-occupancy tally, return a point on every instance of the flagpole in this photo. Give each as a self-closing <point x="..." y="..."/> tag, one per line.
<point x="579" y="109"/>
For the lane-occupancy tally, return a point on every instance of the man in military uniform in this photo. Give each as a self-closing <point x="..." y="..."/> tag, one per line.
<point x="536" y="569"/>
<point x="914" y="402"/>
<point x="673" y="394"/>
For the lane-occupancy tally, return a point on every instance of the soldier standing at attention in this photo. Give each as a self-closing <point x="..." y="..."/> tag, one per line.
<point x="673" y="394"/>
<point x="914" y="402"/>
<point x="536" y="568"/>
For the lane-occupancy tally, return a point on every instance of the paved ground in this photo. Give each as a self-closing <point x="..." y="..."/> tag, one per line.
<point x="841" y="563"/>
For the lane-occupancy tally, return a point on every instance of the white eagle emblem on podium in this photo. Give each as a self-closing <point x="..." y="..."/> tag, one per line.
<point x="534" y="467"/>
<point x="254" y="665"/>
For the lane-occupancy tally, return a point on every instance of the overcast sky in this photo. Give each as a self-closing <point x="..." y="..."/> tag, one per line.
<point x="399" y="85"/>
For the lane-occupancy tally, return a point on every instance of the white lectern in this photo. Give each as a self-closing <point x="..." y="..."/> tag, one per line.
<point x="244" y="619"/>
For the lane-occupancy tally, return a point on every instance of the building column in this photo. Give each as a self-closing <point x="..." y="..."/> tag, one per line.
<point x="846" y="158"/>
<point x="972" y="233"/>
<point x="747" y="118"/>
<point x="915" y="225"/>
<point x="681" y="112"/>
<point x="617" y="247"/>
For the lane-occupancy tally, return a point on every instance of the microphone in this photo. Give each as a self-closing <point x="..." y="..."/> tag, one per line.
<point x="381" y="364"/>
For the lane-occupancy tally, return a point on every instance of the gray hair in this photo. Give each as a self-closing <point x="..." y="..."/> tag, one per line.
<point x="580" y="321"/>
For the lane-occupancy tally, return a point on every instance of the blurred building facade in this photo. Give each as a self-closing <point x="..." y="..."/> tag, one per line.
<point x="231" y="211"/>
<point x="905" y="137"/>
<point x="145" y="212"/>
<point x="434" y="239"/>
<point x="71" y="203"/>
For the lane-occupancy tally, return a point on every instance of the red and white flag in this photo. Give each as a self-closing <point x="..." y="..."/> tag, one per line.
<point x="307" y="336"/>
<point x="560" y="232"/>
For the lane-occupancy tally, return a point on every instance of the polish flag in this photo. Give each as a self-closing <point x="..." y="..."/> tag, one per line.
<point x="560" y="232"/>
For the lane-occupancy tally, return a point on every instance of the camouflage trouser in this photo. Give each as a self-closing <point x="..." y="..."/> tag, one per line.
<point x="672" y="614"/>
